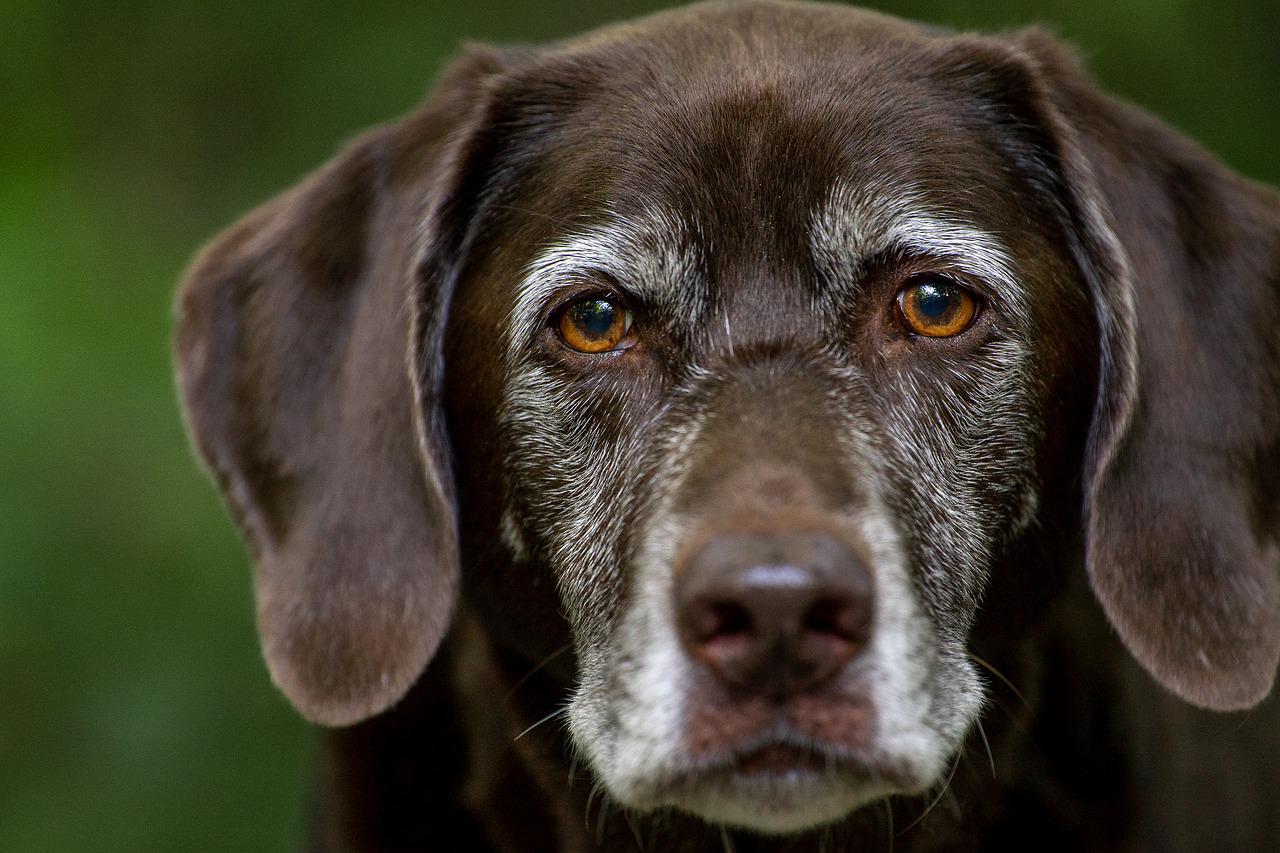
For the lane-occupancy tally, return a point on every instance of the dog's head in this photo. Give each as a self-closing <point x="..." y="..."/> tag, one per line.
<point x="757" y="340"/>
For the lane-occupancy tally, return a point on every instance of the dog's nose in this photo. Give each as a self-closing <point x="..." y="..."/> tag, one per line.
<point x="774" y="615"/>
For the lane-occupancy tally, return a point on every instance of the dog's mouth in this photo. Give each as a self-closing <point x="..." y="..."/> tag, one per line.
<point x="783" y="782"/>
<point x="774" y="765"/>
<point x="784" y="755"/>
<point x="780" y="759"/>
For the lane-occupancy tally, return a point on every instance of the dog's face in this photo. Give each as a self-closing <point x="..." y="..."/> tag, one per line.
<point x="768" y="482"/>
<point x="761" y="333"/>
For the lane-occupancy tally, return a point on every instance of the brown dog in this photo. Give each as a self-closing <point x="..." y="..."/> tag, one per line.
<point x="702" y="426"/>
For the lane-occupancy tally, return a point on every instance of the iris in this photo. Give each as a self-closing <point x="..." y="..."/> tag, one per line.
<point x="936" y="308"/>
<point x="594" y="325"/>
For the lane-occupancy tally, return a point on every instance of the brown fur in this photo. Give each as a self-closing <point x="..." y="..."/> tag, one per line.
<point x="339" y="355"/>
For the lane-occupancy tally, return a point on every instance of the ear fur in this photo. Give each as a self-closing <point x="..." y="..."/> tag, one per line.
<point x="1183" y="474"/>
<point x="313" y="399"/>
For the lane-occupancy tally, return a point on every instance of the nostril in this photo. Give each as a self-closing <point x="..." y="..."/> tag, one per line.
<point x="835" y="618"/>
<point x="721" y="633"/>
<point x="719" y="620"/>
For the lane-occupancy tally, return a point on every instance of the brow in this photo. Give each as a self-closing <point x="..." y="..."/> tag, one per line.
<point x="651" y="256"/>
<point x="855" y="224"/>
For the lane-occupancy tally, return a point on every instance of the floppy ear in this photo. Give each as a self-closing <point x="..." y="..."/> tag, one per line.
<point x="1183" y="474"/>
<point x="307" y="351"/>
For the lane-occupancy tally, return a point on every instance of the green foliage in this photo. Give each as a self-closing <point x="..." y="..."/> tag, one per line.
<point x="136" y="714"/>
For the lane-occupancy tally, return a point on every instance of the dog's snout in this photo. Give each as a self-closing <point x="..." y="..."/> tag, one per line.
<point x="774" y="615"/>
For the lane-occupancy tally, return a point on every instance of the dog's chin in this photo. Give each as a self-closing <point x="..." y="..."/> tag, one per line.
<point x="777" y="790"/>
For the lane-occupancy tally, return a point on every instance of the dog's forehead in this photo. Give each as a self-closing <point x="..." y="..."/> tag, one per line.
<point x="752" y="111"/>
<point x="762" y="148"/>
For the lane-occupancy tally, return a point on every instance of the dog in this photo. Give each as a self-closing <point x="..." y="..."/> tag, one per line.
<point x="762" y="426"/>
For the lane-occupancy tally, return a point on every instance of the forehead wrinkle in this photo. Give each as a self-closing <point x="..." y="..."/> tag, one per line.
<point x="855" y="223"/>
<point x="652" y="256"/>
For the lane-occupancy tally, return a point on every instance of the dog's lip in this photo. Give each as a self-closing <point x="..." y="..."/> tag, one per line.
<point x="778" y="758"/>
<point x="783" y="753"/>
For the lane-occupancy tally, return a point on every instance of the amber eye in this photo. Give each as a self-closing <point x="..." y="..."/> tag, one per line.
<point x="936" y="308"/>
<point x="594" y="325"/>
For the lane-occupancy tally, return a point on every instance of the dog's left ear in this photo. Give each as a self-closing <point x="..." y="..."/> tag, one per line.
<point x="1182" y="483"/>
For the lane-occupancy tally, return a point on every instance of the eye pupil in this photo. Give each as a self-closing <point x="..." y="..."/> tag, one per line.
<point x="935" y="302"/>
<point x="594" y="317"/>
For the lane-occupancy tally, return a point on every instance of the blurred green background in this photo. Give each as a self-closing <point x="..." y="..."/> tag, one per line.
<point x="135" y="713"/>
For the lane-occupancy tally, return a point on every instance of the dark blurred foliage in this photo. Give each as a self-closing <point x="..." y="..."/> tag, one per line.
<point x="135" y="713"/>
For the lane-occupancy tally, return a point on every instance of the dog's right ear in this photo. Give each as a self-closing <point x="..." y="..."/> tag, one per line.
<point x="307" y="350"/>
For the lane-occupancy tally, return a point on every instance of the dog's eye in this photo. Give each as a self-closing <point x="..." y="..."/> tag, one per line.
<point x="936" y="308"/>
<point x="595" y="325"/>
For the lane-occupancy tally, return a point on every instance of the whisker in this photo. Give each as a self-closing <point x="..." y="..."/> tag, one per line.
<point x="945" y="787"/>
<point x="591" y="796"/>
<point x="726" y="842"/>
<point x="635" y="831"/>
<point x="953" y="802"/>
<point x="601" y="817"/>
<point x="557" y="712"/>
<point x="548" y="659"/>
<point x="987" y="746"/>
<point x="1017" y="720"/>
<point x="985" y="664"/>
<point x="888" y="810"/>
